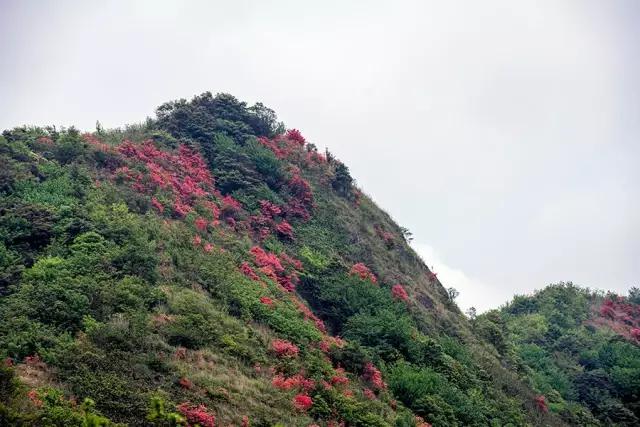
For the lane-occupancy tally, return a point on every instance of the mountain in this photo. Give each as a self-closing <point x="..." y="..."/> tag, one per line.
<point x="209" y="267"/>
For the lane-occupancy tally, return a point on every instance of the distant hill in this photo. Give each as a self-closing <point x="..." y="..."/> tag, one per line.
<point x="577" y="347"/>
<point x="210" y="267"/>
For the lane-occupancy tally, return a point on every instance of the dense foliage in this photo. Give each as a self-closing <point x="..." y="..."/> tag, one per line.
<point x="210" y="268"/>
<point x="577" y="348"/>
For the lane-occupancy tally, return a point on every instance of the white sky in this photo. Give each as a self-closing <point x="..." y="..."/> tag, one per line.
<point x="503" y="134"/>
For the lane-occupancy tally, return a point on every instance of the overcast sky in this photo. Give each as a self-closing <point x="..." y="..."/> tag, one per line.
<point x="503" y="134"/>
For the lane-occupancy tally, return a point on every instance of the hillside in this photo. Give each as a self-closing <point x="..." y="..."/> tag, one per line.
<point x="210" y="267"/>
<point x="578" y="347"/>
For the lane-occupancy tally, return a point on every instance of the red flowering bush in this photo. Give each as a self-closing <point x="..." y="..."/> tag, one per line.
<point x="266" y="259"/>
<point x="386" y="236"/>
<point x="183" y="174"/>
<point x="290" y="261"/>
<point x="541" y="403"/>
<point x="363" y="272"/>
<point x="248" y="271"/>
<point x="185" y="383"/>
<point x="285" y="230"/>
<point x="369" y="394"/>
<point x="266" y="301"/>
<point x="284" y="348"/>
<point x="156" y="204"/>
<point x="265" y="222"/>
<point x="295" y="135"/>
<point x="607" y="311"/>
<point x="295" y="382"/>
<point x="302" y="196"/>
<point x="283" y="383"/>
<point x="620" y="316"/>
<point x="302" y="402"/>
<point x="272" y="267"/>
<point x="399" y="292"/>
<point x="34" y="397"/>
<point x="269" y="209"/>
<point x="201" y="224"/>
<point x="197" y="415"/>
<point x="339" y="378"/>
<point x="89" y="138"/>
<point x="373" y="376"/>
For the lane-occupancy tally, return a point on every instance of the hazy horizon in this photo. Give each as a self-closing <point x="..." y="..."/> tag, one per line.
<point x="503" y="135"/>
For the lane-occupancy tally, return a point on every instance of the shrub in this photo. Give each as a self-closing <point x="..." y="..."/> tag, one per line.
<point x="284" y="349"/>
<point x="362" y="271"/>
<point x="302" y="402"/>
<point x="399" y="292"/>
<point x="197" y="415"/>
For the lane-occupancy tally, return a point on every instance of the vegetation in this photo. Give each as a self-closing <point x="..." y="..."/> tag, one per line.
<point x="209" y="267"/>
<point x="577" y="348"/>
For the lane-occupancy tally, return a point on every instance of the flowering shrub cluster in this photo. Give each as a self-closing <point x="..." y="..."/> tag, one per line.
<point x="301" y="202"/>
<point x="302" y="402"/>
<point x="339" y="378"/>
<point x="294" y="382"/>
<point x="197" y="415"/>
<point x="398" y="291"/>
<point x="373" y="376"/>
<point x="34" y="397"/>
<point x="266" y="221"/>
<point x="273" y="267"/>
<point x="246" y="269"/>
<point x="369" y="394"/>
<point x="285" y="230"/>
<point x="329" y="341"/>
<point x="284" y="349"/>
<point x="541" y="403"/>
<point x="201" y="224"/>
<point x="185" y="383"/>
<point x="296" y="136"/>
<point x="230" y="207"/>
<point x="266" y="260"/>
<point x="183" y="175"/>
<point x="291" y="146"/>
<point x="621" y="316"/>
<point x="386" y="236"/>
<point x="363" y="272"/>
<point x="156" y="204"/>
<point x="266" y="301"/>
<point x="89" y="138"/>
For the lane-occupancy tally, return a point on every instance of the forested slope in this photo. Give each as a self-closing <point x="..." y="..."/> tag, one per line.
<point x="209" y="267"/>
